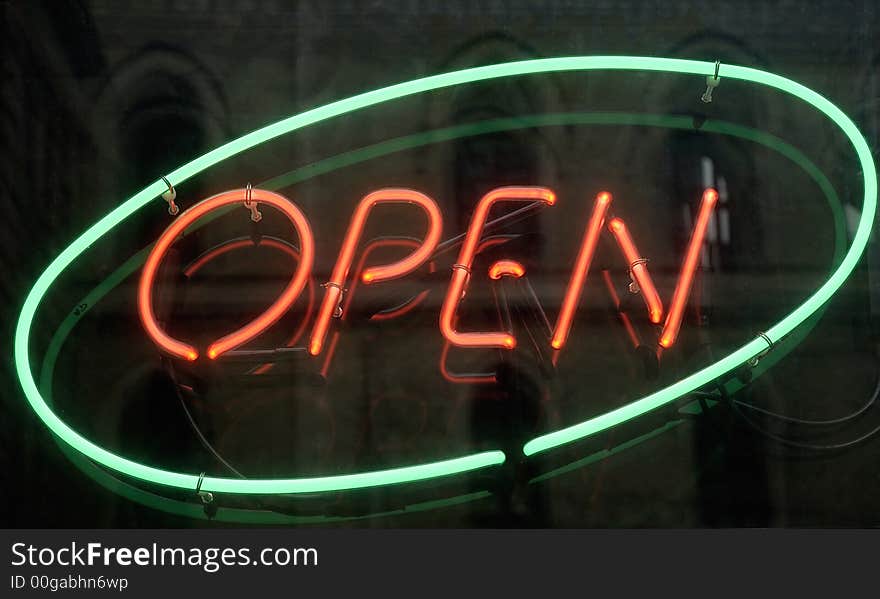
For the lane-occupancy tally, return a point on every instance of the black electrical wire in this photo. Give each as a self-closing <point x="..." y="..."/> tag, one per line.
<point x="198" y="431"/>
<point x="834" y="421"/>
<point x="803" y="445"/>
<point x="204" y="441"/>
<point x="810" y="446"/>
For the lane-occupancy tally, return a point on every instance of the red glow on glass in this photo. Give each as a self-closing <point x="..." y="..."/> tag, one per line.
<point x="582" y="266"/>
<point x="685" y="280"/>
<point x="638" y="269"/>
<point x="609" y="284"/>
<point x="461" y="270"/>
<point x="238" y="244"/>
<point x="402" y="309"/>
<point x="409" y="305"/>
<point x="372" y="246"/>
<point x="215" y="253"/>
<point x="184" y="350"/>
<point x="374" y="274"/>
<point x="334" y="341"/>
<point x="630" y="330"/>
<point x="301" y="329"/>
<point x="490" y="242"/>
<point x="624" y="317"/>
<point x="461" y="379"/>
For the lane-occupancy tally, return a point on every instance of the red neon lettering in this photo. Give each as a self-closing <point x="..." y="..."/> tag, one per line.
<point x="271" y="242"/>
<point x="461" y="270"/>
<point x="349" y="297"/>
<point x="410" y="304"/>
<point x="333" y="299"/>
<point x="685" y="280"/>
<point x="579" y="275"/>
<point x="375" y="274"/>
<point x="639" y="269"/>
<point x="184" y="350"/>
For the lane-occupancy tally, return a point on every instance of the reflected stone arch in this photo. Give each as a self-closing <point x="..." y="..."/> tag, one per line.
<point x="157" y="109"/>
<point x="868" y="111"/>
<point x="681" y="188"/>
<point x="48" y="150"/>
<point x="680" y="185"/>
<point x="46" y="177"/>
<point x="471" y="166"/>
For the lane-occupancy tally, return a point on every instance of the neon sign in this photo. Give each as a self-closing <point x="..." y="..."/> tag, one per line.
<point x="582" y="266"/>
<point x="374" y="274"/>
<point x="776" y="334"/>
<point x="461" y="270"/>
<point x="258" y="325"/>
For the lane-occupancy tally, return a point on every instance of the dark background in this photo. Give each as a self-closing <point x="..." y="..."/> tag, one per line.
<point x="99" y="99"/>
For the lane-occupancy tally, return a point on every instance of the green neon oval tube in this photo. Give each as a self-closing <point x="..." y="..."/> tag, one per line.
<point x="384" y="148"/>
<point x="354" y="157"/>
<point x="447" y="467"/>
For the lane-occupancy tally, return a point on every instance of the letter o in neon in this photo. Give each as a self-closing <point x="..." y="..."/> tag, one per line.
<point x="300" y="277"/>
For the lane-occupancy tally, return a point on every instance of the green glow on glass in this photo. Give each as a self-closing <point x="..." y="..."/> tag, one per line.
<point x="603" y="454"/>
<point x="243" y="515"/>
<point x="447" y="467"/>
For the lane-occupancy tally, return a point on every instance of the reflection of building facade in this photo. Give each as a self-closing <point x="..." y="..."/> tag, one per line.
<point x="92" y="109"/>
